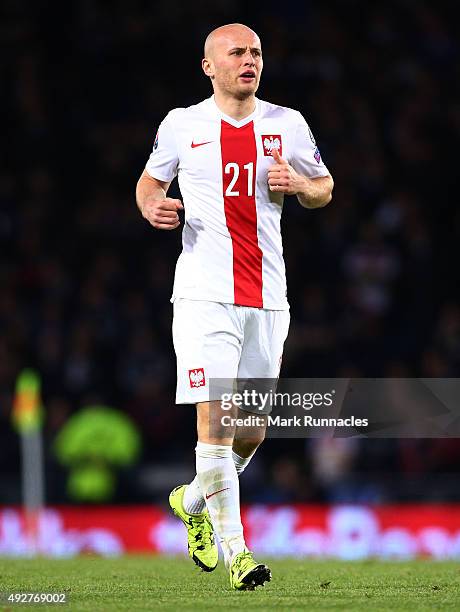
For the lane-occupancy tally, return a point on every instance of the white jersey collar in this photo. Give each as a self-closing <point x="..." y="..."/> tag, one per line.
<point x="230" y="120"/>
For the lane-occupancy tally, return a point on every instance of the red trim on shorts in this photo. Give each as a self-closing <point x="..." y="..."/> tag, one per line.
<point x="238" y="146"/>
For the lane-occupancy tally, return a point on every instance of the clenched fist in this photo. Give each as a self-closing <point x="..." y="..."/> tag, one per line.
<point x="162" y="213"/>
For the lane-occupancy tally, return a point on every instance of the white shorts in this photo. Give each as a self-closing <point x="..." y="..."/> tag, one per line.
<point x="215" y="340"/>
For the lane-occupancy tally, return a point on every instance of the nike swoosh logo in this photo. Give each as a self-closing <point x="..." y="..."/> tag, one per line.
<point x="216" y="492"/>
<point x="200" y="144"/>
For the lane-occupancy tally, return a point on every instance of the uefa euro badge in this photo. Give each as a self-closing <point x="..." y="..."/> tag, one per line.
<point x="270" y="142"/>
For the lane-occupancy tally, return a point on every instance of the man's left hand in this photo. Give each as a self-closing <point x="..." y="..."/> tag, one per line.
<point x="283" y="178"/>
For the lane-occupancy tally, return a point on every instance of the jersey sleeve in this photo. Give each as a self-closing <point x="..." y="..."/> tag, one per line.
<point x="164" y="158"/>
<point x="306" y="158"/>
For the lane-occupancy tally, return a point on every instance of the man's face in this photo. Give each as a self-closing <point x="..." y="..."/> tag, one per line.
<point x="235" y="63"/>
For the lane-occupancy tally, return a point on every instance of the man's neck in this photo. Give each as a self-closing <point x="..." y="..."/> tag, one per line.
<point x="234" y="108"/>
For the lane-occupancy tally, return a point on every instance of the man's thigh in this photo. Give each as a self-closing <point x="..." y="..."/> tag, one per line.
<point x="264" y="337"/>
<point x="207" y="338"/>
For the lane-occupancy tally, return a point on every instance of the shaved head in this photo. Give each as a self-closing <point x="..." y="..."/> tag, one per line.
<point x="233" y="62"/>
<point x="224" y="33"/>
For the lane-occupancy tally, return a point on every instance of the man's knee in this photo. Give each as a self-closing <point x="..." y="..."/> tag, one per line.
<point x="212" y="427"/>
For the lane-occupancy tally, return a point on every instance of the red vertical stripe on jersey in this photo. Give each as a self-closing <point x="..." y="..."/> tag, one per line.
<point x="238" y="150"/>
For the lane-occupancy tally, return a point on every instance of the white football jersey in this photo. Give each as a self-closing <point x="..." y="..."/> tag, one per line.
<point x="232" y="249"/>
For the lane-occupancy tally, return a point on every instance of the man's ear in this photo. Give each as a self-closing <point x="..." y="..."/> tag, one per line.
<point x="207" y="68"/>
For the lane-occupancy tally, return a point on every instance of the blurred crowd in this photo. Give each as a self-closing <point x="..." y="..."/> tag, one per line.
<point x="373" y="278"/>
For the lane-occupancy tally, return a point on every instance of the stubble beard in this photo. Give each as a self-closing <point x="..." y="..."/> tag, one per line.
<point x="237" y="92"/>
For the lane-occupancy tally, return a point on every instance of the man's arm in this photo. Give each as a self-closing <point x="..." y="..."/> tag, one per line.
<point x="315" y="193"/>
<point x="160" y="211"/>
<point x="311" y="193"/>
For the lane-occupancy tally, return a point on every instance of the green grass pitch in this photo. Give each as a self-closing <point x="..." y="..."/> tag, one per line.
<point x="156" y="583"/>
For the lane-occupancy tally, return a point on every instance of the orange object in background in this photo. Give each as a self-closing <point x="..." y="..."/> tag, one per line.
<point x="27" y="413"/>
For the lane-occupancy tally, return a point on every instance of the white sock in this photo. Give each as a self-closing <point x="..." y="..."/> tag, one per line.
<point x="193" y="501"/>
<point x="241" y="462"/>
<point x="219" y="484"/>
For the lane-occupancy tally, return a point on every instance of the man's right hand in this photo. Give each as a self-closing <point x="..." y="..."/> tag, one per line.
<point x="162" y="213"/>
